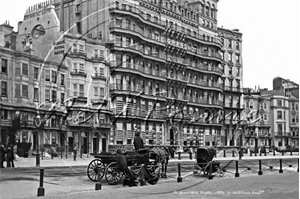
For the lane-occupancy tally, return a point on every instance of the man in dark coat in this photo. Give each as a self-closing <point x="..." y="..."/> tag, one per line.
<point x="123" y="167"/>
<point x="138" y="142"/>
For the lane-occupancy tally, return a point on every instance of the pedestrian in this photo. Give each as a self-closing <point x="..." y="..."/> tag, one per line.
<point x="10" y="156"/>
<point x="2" y="156"/>
<point x="123" y="167"/>
<point x="74" y="152"/>
<point x="138" y="142"/>
<point x="81" y="151"/>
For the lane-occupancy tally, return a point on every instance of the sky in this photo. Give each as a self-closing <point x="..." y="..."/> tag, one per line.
<point x="270" y="28"/>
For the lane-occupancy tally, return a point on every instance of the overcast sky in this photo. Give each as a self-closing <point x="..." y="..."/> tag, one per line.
<point x="270" y="29"/>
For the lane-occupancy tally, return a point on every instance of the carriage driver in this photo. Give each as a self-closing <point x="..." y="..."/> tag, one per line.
<point x="123" y="167"/>
<point x="138" y="141"/>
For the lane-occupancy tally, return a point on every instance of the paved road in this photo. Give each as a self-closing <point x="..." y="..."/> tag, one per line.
<point x="277" y="186"/>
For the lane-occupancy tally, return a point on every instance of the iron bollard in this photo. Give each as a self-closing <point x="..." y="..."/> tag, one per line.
<point x="255" y="152"/>
<point x="237" y="169"/>
<point x="210" y="176"/>
<point x="280" y="163"/>
<point x="265" y="152"/>
<point x="282" y="153"/>
<point x="98" y="185"/>
<point x="260" y="171"/>
<point x="251" y="153"/>
<point x="179" y="155"/>
<point x="232" y="153"/>
<point x="291" y="153"/>
<point x="179" y="178"/>
<point x="41" y="190"/>
<point x="298" y="165"/>
<point x="274" y="152"/>
<point x="224" y="155"/>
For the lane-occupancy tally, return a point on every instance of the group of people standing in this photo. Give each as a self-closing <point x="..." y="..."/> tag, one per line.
<point x="6" y="154"/>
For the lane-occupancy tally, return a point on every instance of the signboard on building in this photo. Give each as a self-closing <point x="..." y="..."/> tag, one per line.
<point x="124" y="148"/>
<point x="59" y="47"/>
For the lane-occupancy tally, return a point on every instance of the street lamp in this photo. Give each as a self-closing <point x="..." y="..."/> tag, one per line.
<point x="241" y="142"/>
<point x="38" y="124"/>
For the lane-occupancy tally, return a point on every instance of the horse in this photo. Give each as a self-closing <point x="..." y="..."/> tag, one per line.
<point x="162" y="155"/>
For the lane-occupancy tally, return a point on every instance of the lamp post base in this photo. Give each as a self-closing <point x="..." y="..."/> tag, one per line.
<point x="38" y="159"/>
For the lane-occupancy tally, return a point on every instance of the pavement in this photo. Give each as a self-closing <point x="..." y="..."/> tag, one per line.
<point x="86" y="159"/>
<point x="275" y="186"/>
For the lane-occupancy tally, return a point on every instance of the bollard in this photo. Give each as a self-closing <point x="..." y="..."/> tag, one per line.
<point x="255" y="152"/>
<point x="282" y="153"/>
<point x="143" y="182"/>
<point x="224" y="153"/>
<point x="291" y="153"/>
<point x="179" y="178"/>
<point x="232" y="153"/>
<point x="237" y="169"/>
<point x="240" y="154"/>
<point x="280" y="170"/>
<point x="191" y="156"/>
<point x="251" y="153"/>
<point x="260" y="152"/>
<point x="98" y="185"/>
<point x="265" y="152"/>
<point x="298" y="165"/>
<point x="41" y="190"/>
<point x="260" y="171"/>
<point x="210" y="176"/>
<point x="274" y="152"/>
<point x="179" y="155"/>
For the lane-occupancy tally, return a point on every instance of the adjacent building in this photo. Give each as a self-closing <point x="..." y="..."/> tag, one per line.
<point x="232" y="81"/>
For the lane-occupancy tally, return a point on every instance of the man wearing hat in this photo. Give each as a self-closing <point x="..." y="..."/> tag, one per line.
<point x="138" y="141"/>
<point x="122" y="166"/>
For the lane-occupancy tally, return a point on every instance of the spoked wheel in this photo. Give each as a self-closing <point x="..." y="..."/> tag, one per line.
<point x="220" y="172"/>
<point x="93" y="168"/>
<point x="112" y="175"/>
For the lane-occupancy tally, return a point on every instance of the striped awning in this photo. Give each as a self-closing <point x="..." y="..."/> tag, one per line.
<point x="129" y="134"/>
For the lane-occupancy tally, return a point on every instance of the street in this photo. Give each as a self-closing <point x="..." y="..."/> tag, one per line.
<point x="23" y="182"/>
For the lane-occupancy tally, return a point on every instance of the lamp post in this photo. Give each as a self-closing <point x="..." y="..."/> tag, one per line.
<point x="241" y="142"/>
<point x="38" y="124"/>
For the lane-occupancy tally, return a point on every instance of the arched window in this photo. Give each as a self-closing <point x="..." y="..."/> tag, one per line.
<point x="38" y="31"/>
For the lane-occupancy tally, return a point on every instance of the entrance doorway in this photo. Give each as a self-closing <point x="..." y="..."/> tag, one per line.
<point x="104" y="144"/>
<point x="172" y="137"/>
<point x="95" y="145"/>
<point x="71" y="143"/>
<point x="85" y="145"/>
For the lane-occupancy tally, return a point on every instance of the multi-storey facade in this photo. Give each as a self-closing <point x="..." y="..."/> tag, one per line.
<point x="165" y="67"/>
<point x="232" y="68"/>
<point x="257" y="120"/>
<point x="69" y="71"/>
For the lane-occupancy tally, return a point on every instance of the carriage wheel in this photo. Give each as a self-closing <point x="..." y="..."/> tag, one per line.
<point x="93" y="168"/>
<point x="220" y="172"/>
<point x="112" y="175"/>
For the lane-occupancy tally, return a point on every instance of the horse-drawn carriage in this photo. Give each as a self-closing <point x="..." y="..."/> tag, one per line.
<point x="143" y="164"/>
<point x="205" y="163"/>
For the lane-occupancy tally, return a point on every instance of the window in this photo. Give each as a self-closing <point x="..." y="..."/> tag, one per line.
<point x="4" y="114"/>
<point x="101" y="71"/>
<point x="53" y="96"/>
<point x="297" y="119"/>
<point x="35" y="94"/>
<point x="229" y="57"/>
<point x="81" y="68"/>
<point x="265" y="117"/>
<point x="25" y="91"/>
<point x="251" y="105"/>
<point x="279" y="103"/>
<point x="237" y="58"/>
<point x="17" y="90"/>
<point x="75" y="91"/>
<point x="81" y="48"/>
<point x="78" y="26"/>
<point x="4" y="66"/>
<point x="102" y="93"/>
<point x="75" y="68"/>
<point x="297" y="107"/>
<point x="127" y="24"/>
<point x="62" y="79"/>
<point x="24" y="69"/>
<point x="53" y="75"/>
<point x="96" y="93"/>
<point x="101" y="53"/>
<point x="35" y="73"/>
<point x="81" y="90"/>
<point x="229" y="44"/>
<point x="237" y="45"/>
<point x="62" y="98"/>
<point x="47" y="75"/>
<point x="279" y="128"/>
<point x="100" y="35"/>
<point x="279" y="114"/>
<point x="47" y="95"/>
<point x="229" y="70"/>
<point x="265" y="106"/>
<point x="3" y="88"/>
